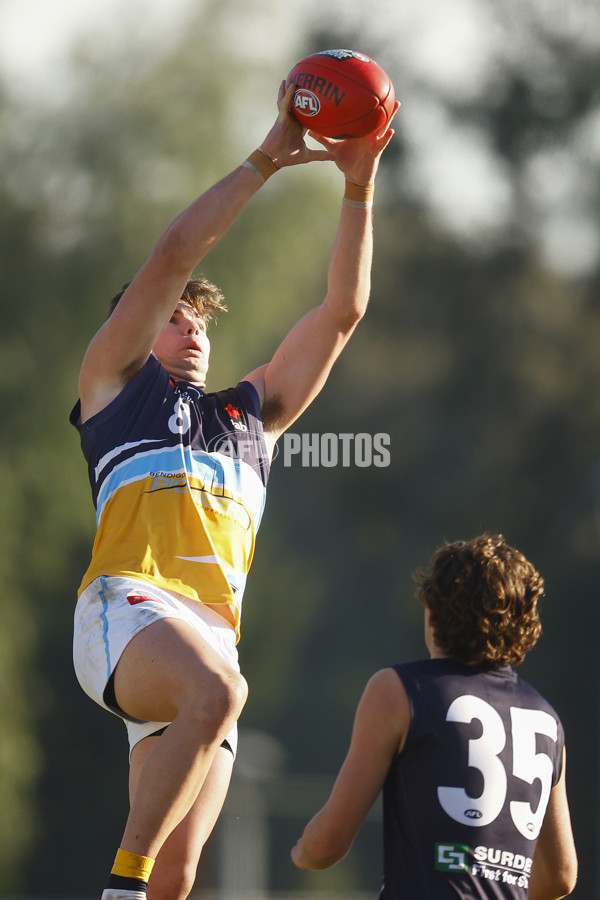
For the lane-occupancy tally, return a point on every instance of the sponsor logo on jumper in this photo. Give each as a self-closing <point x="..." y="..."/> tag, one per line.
<point x="215" y="503"/>
<point x="219" y="505"/>
<point x="451" y="857"/>
<point x="168" y="475"/>
<point x="503" y="876"/>
<point x="503" y="858"/>
<point x="166" y="481"/>
<point x="235" y="415"/>
<point x="491" y="863"/>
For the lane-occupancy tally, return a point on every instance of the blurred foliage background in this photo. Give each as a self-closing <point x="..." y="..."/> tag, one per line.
<point x="479" y="357"/>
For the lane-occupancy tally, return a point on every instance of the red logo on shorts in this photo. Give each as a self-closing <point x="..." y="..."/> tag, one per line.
<point x="137" y="598"/>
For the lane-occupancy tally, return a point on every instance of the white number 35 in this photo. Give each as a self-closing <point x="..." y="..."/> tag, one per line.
<point x="483" y="754"/>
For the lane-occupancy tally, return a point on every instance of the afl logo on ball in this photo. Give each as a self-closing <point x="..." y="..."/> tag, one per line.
<point x="306" y="102"/>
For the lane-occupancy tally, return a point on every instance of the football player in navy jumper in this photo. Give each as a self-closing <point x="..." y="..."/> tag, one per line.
<point x="469" y="757"/>
<point x="178" y="501"/>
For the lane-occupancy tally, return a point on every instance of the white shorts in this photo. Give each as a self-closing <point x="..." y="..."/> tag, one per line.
<point x="110" y="612"/>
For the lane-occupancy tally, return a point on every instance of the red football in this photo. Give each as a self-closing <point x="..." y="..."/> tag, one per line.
<point x="341" y="94"/>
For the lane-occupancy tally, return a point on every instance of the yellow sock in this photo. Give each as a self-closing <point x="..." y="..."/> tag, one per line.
<point x="129" y="877"/>
<point x="132" y="865"/>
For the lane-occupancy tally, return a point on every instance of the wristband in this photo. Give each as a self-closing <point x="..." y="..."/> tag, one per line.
<point x="359" y="196"/>
<point x="262" y="164"/>
<point x="357" y="204"/>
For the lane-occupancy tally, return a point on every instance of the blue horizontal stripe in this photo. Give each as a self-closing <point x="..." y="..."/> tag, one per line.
<point x="216" y="471"/>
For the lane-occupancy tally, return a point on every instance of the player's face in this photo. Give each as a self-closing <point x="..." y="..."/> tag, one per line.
<point x="183" y="348"/>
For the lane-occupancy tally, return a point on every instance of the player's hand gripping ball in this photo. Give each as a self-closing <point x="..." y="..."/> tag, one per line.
<point x="341" y="94"/>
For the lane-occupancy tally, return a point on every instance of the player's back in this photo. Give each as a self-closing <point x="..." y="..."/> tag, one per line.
<point x="465" y="800"/>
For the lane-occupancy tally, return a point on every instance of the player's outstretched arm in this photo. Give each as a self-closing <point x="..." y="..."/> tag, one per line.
<point x="303" y="361"/>
<point x="380" y="726"/>
<point x="124" y="342"/>
<point x="554" y="869"/>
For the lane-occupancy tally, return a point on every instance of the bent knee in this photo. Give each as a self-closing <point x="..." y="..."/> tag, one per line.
<point x="220" y="704"/>
<point x="234" y="693"/>
<point x="241" y="690"/>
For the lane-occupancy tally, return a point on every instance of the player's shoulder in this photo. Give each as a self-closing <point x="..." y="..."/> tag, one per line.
<point x="533" y="697"/>
<point x="384" y="698"/>
<point x="439" y="679"/>
<point x="243" y="392"/>
<point x="384" y="677"/>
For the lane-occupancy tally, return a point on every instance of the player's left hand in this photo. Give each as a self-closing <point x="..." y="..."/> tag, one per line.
<point x="358" y="158"/>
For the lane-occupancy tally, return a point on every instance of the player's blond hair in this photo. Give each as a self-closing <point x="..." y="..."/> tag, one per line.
<point x="201" y="294"/>
<point x="483" y="597"/>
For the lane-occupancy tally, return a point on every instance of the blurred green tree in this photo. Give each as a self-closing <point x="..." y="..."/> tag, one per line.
<point x="478" y="358"/>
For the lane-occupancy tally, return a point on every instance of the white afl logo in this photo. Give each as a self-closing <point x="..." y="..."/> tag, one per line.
<point x="306" y="102"/>
<point x="473" y="813"/>
<point x="180" y="421"/>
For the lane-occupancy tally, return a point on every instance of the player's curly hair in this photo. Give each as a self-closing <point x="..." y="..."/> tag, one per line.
<point x="483" y="597"/>
<point x="201" y="294"/>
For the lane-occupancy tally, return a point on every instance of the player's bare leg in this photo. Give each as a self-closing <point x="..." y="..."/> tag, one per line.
<point x="169" y="673"/>
<point x="174" y="873"/>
